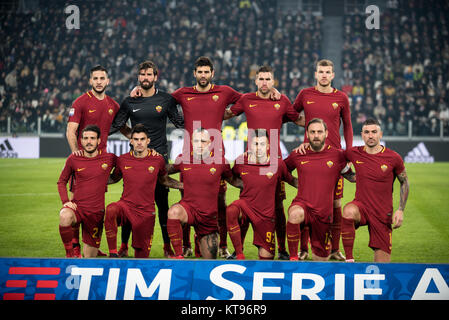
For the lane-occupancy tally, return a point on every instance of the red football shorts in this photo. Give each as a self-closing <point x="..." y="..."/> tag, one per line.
<point x="203" y="223"/>
<point x="319" y="231"/>
<point x="380" y="233"/>
<point x="264" y="229"/>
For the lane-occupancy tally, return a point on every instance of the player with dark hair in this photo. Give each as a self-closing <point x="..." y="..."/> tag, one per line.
<point x="262" y="112"/>
<point x="140" y="171"/>
<point x="151" y="108"/>
<point x="92" y="107"/>
<point x="332" y="105"/>
<point x="318" y="171"/>
<point x="257" y="199"/>
<point x="377" y="167"/>
<point x="201" y="172"/>
<point x="91" y="171"/>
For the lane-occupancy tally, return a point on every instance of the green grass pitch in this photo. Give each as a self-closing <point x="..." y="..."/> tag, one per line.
<point x="29" y="207"/>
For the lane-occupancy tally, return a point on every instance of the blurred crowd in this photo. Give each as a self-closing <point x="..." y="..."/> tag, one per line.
<point x="46" y="66"/>
<point x="399" y="72"/>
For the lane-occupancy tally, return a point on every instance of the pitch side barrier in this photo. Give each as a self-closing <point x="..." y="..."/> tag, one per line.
<point x="142" y="279"/>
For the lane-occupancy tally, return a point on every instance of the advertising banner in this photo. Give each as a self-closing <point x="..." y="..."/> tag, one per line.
<point x="141" y="279"/>
<point x="21" y="147"/>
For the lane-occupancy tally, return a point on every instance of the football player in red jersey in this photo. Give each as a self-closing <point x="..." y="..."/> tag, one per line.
<point x="140" y="170"/>
<point x="201" y="174"/>
<point x="91" y="171"/>
<point x="318" y="171"/>
<point x="262" y="112"/>
<point x="92" y="107"/>
<point x="377" y="167"/>
<point x="257" y="199"/>
<point x="332" y="105"/>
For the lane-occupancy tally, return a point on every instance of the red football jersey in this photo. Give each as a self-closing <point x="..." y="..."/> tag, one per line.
<point x="91" y="176"/>
<point x="259" y="188"/>
<point x="331" y="107"/>
<point x="375" y="174"/>
<point x="318" y="173"/>
<point x="87" y="109"/>
<point x="265" y="113"/>
<point x="140" y="176"/>
<point x="202" y="182"/>
<point x="206" y="108"/>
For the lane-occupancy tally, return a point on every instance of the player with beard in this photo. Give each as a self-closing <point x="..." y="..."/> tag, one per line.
<point x="91" y="108"/>
<point x="318" y="172"/>
<point x="332" y="105"/>
<point x="151" y="109"/>
<point x="91" y="170"/>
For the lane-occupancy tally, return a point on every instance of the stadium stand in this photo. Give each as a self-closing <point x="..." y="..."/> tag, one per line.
<point x="399" y="72"/>
<point x="45" y="67"/>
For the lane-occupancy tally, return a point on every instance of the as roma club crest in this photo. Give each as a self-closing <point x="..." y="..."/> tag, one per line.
<point x="110" y="112"/>
<point x="215" y="97"/>
<point x="277" y="106"/>
<point x="212" y="170"/>
<point x="335" y="105"/>
<point x="384" y="167"/>
<point x="104" y="166"/>
<point x="330" y="164"/>
<point x="269" y="175"/>
<point x="159" y="109"/>
<point x="150" y="169"/>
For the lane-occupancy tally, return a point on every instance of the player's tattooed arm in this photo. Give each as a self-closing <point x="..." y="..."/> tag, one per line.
<point x="114" y="177"/>
<point x="170" y="168"/>
<point x="170" y="182"/>
<point x="294" y="182"/>
<point x="228" y="114"/>
<point x="403" y="180"/>
<point x="235" y="181"/>
<point x="350" y="176"/>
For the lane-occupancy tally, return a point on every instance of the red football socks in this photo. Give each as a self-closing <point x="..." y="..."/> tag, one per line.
<point x="336" y="229"/>
<point x="348" y="236"/>
<point x="66" y="237"/>
<point x="232" y="220"/>
<point x="174" y="230"/>
<point x="293" y="235"/>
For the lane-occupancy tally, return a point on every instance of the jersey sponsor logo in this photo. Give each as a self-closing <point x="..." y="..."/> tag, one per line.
<point x="91" y="111"/>
<point x="158" y="108"/>
<point x="215" y="97"/>
<point x="135" y="110"/>
<point x="310" y="102"/>
<point x="252" y="105"/>
<point x="80" y="169"/>
<point x="335" y="105"/>
<point x="330" y="164"/>
<point x="128" y="167"/>
<point x="212" y="170"/>
<point x="151" y="169"/>
<point x="384" y="167"/>
<point x="277" y="106"/>
<point x="190" y="98"/>
<point x="304" y="162"/>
